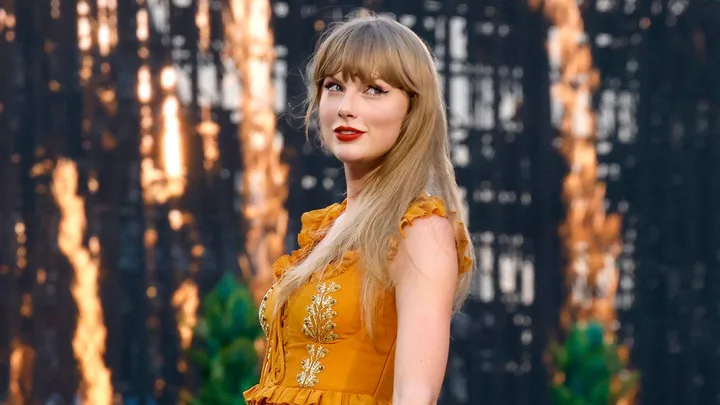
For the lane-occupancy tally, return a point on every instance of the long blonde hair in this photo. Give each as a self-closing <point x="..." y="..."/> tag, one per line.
<point x="362" y="47"/>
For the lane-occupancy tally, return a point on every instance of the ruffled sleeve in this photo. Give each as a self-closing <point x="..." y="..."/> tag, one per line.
<point x="425" y="207"/>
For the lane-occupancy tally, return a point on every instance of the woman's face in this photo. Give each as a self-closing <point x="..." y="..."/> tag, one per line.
<point x="360" y="122"/>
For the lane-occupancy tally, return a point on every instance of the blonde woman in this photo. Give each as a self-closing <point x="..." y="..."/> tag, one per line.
<point x="360" y="313"/>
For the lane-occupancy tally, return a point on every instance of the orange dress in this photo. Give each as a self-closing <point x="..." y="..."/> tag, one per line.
<point x="318" y="351"/>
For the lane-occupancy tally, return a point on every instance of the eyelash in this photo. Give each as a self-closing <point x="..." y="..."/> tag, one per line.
<point x="378" y="89"/>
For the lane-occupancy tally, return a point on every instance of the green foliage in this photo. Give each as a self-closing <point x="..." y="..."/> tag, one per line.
<point x="594" y="373"/>
<point x="224" y="351"/>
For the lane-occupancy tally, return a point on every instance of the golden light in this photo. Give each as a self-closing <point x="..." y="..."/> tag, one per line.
<point x="144" y="90"/>
<point x="84" y="26"/>
<point x="21" y="238"/>
<point x="168" y="78"/>
<point x="172" y="147"/>
<point x="202" y="20"/>
<point x="159" y="185"/>
<point x="143" y="31"/>
<point x="163" y="182"/>
<point x="89" y="338"/>
<point x="22" y="360"/>
<point x="176" y="220"/>
<point x="209" y="131"/>
<point x="7" y="24"/>
<point x="207" y="128"/>
<point x="152" y="179"/>
<point x="186" y="302"/>
<point x="264" y="175"/>
<point x="106" y="26"/>
<point x="590" y="237"/>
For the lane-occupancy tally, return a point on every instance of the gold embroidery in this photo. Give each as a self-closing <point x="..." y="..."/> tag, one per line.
<point x="261" y="313"/>
<point x="318" y="326"/>
<point x="311" y="366"/>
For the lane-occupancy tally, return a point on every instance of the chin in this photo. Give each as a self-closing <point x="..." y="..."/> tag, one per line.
<point x="349" y="153"/>
<point x="351" y="158"/>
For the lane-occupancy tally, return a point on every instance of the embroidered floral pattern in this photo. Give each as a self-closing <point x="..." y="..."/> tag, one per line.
<point x="261" y="313"/>
<point x="319" y="327"/>
<point x="311" y="366"/>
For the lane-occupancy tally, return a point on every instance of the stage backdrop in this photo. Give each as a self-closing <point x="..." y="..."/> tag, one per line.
<point x="139" y="107"/>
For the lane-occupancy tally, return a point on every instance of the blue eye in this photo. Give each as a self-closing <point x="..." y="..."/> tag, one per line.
<point x="375" y="91"/>
<point x="333" y="86"/>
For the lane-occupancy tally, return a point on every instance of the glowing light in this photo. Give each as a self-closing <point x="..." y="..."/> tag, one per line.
<point x="22" y="359"/>
<point x="186" y="302"/>
<point x="265" y="176"/>
<point x="160" y="185"/>
<point x="143" y="33"/>
<point x="590" y="236"/>
<point x="172" y="147"/>
<point x="168" y="78"/>
<point x="176" y="220"/>
<point x="84" y="26"/>
<point x="202" y="20"/>
<point x="89" y="339"/>
<point x="209" y="131"/>
<point x="106" y="26"/>
<point x="7" y="24"/>
<point x="21" y="256"/>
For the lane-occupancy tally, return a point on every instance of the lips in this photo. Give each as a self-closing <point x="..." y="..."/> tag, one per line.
<point x="347" y="134"/>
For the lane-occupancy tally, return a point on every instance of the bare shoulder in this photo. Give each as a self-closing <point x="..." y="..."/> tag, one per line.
<point x="428" y="248"/>
<point x="425" y="277"/>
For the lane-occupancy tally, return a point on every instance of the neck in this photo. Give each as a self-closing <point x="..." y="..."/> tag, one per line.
<point x="356" y="176"/>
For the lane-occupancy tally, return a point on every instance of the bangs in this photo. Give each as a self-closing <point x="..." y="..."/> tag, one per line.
<point x="366" y="51"/>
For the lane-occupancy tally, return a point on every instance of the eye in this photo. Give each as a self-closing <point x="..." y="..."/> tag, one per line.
<point x="375" y="91"/>
<point x="332" y="86"/>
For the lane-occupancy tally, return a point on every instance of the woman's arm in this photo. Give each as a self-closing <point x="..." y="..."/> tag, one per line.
<point x="425" y="274"/>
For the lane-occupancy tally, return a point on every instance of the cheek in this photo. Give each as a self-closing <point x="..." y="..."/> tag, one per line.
<point x="390" y="123"/>
<point x="326" y="111"/>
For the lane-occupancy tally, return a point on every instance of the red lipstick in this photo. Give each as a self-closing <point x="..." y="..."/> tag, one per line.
<point x="347" y="134"/>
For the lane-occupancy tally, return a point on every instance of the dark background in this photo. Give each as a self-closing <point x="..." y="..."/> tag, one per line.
<point x="659" y="150"/>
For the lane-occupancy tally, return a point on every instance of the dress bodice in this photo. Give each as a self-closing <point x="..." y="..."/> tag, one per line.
<point x="318" y="351"/>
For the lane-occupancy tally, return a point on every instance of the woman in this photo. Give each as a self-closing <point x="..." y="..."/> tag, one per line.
<point x="361" y="312"/>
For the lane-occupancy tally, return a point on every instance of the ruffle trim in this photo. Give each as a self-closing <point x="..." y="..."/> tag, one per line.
<point x="313" y="224"/>
<point x="278" y="395"/>
<point x="425" y="207"/>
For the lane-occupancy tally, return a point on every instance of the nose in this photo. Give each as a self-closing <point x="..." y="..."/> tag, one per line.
<point x="346" y="108"/>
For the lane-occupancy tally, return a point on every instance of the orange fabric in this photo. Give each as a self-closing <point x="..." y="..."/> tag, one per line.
<point x="318" y="352"/>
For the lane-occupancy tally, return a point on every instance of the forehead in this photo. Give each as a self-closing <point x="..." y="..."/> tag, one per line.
<point x="352" y="71"/>
<point x="360" y="53"/>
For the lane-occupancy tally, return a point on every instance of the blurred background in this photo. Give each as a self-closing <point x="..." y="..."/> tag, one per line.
<point x="152" y="168"/>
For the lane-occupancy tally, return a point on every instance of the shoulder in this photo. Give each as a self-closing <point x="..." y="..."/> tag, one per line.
<point x="424" y="207"/>
<point x="429" y="240"/>
<point x="429" y="246"/>
<point x="428" y="226"/>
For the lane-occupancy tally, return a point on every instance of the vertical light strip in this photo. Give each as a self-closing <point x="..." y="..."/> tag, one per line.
<point x="264" y="182"/>
<point x="89" y="338"/>
<point x="172" y="151"/>
<point x="590" y="237"/>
